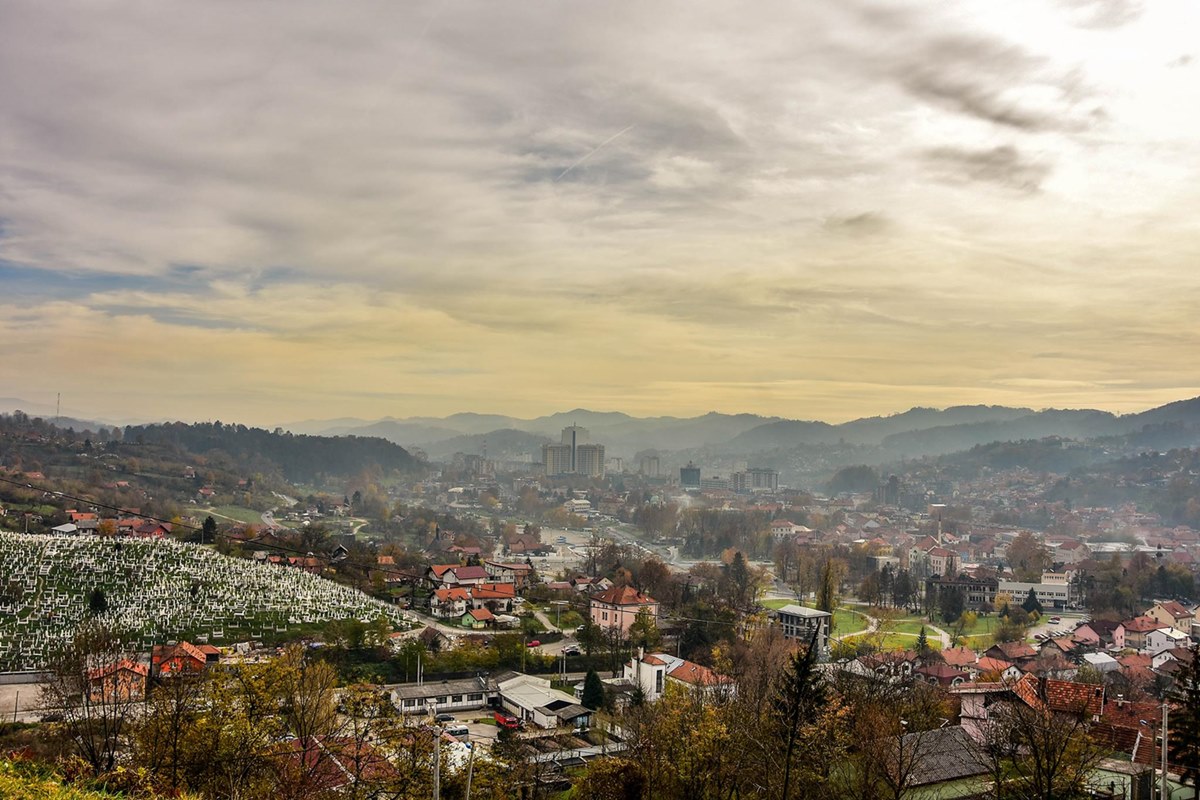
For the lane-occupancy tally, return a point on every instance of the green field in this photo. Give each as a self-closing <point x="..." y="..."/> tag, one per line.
<point x="846" y="622"/>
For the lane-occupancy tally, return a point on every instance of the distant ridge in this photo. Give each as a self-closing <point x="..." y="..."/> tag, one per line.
<point x="917" y="431"/>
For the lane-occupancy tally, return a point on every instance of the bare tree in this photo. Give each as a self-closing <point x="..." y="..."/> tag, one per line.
<point x="96" y="682"/>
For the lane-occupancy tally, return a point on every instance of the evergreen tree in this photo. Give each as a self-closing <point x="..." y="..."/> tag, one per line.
<point x="1184" y="722"/>
<point x="1031" y="603"/>
<point x="97" y="601"/>
<point x="593" y="691"/>
<point x="208" y="533"/>
<point x="922" y="642"/>
<point x="799" y="700"/>
<point x="950" y="603"/>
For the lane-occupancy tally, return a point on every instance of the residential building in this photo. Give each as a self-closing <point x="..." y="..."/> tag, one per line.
<point x="800" y="623"/>
<point x="653" y="672"/>
<point x="618" y="607"/>
<point x="1170" y="612"/>
<point x="463" y="695"/>
<point x="589" y="460"/>
<point x="689" y="476"/>
<point x="556" y="459"/>
<point x="976" y="592"/>
<point x="755" y="479"/>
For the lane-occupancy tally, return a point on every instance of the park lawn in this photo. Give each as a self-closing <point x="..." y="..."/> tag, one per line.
<point x="846" y="622"/>
<point x="911" y="626"/>
<point x="978" y="641"/>
<point x="901" y="641"/>
<point x="778" y="602"/>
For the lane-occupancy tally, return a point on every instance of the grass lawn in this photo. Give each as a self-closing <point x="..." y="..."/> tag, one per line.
<point x="900" y="641"/>
<point x="778" y="602"/>
<point x="908" y="626"/>
<point x="846" y="622"/>
<point x="570" y="620"/>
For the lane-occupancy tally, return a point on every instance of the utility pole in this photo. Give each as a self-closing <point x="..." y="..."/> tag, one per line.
<point x="437" y="754"/>
<point x="1163" y="794"/>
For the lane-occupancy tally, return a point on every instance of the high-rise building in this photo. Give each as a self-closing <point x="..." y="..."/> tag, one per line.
<point x="755" y="479"/>
<point x="574" y="454"/>
<point x="589" y="460"/>
<point x="575" y="436"/>
<point x="689" y="476"/>
<point x="557" y="458"/>
<point x="650" y="466"/>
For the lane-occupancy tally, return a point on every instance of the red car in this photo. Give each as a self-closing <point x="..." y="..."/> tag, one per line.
<point x="534" y="643"/>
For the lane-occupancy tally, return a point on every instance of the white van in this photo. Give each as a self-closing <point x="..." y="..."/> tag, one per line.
<point x="460" y="732"/>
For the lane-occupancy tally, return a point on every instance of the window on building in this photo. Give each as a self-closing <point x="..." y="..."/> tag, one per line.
<point x="456" y="698"/>
<point x="658" y="681"/>
<point x="440" y="700"/>
<point x="409" y="703"/>
<point x="475" y="697"/>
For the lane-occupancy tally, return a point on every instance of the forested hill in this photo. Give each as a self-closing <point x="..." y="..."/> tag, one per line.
<point x="299" y="458"/>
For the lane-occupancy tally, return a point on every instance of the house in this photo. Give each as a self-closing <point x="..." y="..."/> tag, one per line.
<point x="619" y="606"/>
<point x="1018" y="653"/>
<point x="996" y="669"/>
<point x="1164" y="639"/>
<point x="1098" y="633"/>
<point x="451" y="602"/>
<point x="653" y="672"/>
<point x="926" y="759"/>
<point x="1132" y="632"/>
<point x="449" y="575"/>
<point x="1172" y="613"/>
<point x="184" y="658"/>
<point x="959" y="657"/>
<point x="122" y="682"/>
<point x="518" y="574"/>
<point x="943" y="561"/>
<point x="477" y="618"/>
<point x="801" y="623"/>
<point x="942" y="674"/>
<point x="528" y="545"/>
<point x="782" y="529"/>
<point x="495" y="597"/>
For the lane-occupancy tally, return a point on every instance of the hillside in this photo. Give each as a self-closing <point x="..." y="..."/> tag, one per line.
<point x="158" y="589"/>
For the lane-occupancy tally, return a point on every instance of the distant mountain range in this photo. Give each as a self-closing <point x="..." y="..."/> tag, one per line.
<point x="916" y="432"/>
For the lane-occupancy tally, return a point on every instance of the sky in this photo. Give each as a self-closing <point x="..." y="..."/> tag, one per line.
<point x="272" y="211"/>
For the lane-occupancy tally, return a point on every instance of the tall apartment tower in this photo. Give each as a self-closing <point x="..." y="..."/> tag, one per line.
<point x="589" y="460"/>
<point x="575" y="436"/>
<point x="557" y="458"/>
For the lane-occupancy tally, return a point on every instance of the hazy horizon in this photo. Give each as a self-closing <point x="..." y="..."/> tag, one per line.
<point x="297" y="210"/>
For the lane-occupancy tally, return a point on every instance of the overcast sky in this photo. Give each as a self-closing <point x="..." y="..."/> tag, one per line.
<point x="263" y="212"/>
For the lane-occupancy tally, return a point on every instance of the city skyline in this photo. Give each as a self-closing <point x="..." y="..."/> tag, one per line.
<point x="828" y="212"/>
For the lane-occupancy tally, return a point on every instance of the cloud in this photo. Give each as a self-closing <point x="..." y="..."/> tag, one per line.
<point x="1003" y="165"/>
<point x="1103" y="13"/>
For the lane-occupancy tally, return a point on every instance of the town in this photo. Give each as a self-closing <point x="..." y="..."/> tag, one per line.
<point x="533" y="628"/>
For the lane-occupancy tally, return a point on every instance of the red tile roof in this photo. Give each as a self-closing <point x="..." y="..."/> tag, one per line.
<point x="1142" y="624"/>
<point x="623" y="596"/>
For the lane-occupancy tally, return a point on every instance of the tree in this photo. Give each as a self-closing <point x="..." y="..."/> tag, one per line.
<point x="1043" y="754"/>
<point x="97" y="602"/>
<point x="1028" y="557"/>
<point x="1185" y="719"/>
<point x="593" y="691"/>
<point x="612" y="779"/>
<point x="96" y="683"/>
<point x="1032" y="604"/>
<point x="950" y="603"/>
<point x="827" y="586"/>
<point x="208" y="532"/>
<point x="643" y="632"/>
<point x="799" y="699"/>
<point x="922" y="642"/>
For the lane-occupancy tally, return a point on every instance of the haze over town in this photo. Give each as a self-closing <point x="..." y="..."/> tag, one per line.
<point x="818" y="211"/>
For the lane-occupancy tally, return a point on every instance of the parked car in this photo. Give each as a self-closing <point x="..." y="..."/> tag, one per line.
<point x="444" y="718"/>
<point x="1055" y="620"/>
<point x="534" y="643"/>
<point x="572" y="650"/>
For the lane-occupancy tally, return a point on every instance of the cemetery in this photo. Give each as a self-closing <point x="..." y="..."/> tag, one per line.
<point x="158" y="590"/>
